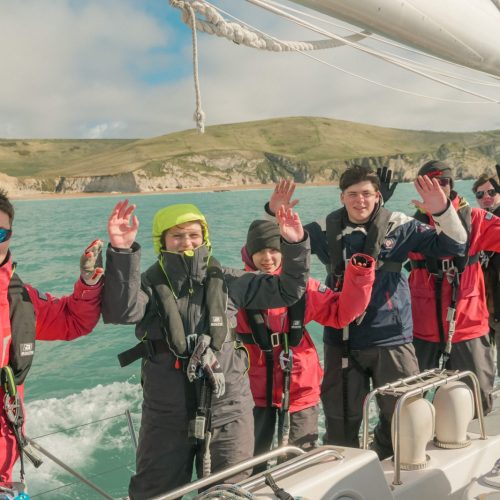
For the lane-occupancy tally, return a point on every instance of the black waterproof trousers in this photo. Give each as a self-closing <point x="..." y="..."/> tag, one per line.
<point x="380" y="365"/>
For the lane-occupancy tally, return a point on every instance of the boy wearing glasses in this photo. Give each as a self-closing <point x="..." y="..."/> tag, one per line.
<point x="487" y="192"/>
<point x="27" y="315"/>
<point x="448" y="299"/>
<point x="378" y="344"/>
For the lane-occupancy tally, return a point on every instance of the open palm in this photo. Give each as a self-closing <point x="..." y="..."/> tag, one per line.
<point x="434" y="199"/>
<point x="122" y="226"/>
<point x="291" y="229"/>
<point x="282" y="195"/>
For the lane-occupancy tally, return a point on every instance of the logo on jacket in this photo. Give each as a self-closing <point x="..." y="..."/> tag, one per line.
<point x="27" y="349"/>
<point x="216" y="321"/>
<point x="322" y="288"/>
<point x="389" y="243"/>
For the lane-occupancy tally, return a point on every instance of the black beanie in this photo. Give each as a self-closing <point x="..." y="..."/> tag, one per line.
<point x="262" y="234"/>
<point x="436" y="168"/>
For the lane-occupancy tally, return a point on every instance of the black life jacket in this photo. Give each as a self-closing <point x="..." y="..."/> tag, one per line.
<point x="262" y="335"/>
<point x="268" y="340"/>
<point x="23" y="329"/>
<point x="164" y="305"/>
<point x="379" y="226"/>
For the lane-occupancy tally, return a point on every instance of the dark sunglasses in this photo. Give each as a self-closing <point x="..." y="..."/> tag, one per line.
<point x="5" y="234"/>
<point x="443" y="181"/>
<point x="480" y="194"/>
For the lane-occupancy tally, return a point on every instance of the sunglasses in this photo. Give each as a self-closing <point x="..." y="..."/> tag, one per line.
<point x="443" y="181"/>
<point x="5" y="234"/>
<point x="491" y="193"/>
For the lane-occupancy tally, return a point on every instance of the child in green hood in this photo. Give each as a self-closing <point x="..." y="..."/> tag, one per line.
<point x="184" y="308"/>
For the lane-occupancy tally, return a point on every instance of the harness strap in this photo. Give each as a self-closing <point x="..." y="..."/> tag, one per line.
<point x="447" y="264"/>
<point x="148" y="348"/>
<point x="389" y="266"/>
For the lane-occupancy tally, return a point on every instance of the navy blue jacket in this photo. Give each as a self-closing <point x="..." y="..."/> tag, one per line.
<point x="388" y="318"/>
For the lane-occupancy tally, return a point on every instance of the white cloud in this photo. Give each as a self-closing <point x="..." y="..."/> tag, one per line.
<point x="80" y="69"/>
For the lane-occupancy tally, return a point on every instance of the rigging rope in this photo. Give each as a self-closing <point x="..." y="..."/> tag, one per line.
<point x="238" y="33"/>
<point x="399" y="46"/>
<point x="242" y="33"/>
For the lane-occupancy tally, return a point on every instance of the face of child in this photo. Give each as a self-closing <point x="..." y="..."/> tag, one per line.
<point x="267" y="260"/>
<point x="360" y="200"/>
<point x="188" y="236"/>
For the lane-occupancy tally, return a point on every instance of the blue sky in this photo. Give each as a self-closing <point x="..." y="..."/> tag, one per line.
<point x="123" y="69"/>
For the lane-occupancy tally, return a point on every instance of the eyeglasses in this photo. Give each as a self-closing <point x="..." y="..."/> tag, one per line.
<point x="5" y="234"/>
<point x="352" y="195"/>
<point x="490" y="192"/>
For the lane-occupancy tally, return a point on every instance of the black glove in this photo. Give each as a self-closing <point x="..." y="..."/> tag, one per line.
<point x="386" y="190"/>
<point x="498" y="175"/>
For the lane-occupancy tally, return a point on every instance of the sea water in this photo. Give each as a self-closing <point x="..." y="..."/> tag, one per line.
<point x="73" y="384"/>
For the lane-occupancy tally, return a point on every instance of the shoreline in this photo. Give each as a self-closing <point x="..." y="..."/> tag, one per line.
<point x="204" y="189"/>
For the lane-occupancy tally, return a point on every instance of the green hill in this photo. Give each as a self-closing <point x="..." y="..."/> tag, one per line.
<point x="317" y="142"/>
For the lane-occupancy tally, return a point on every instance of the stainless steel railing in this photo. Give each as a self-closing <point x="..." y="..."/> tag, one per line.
<point x="414" y="386"/>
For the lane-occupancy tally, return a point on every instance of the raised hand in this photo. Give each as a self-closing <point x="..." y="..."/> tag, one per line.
<point x="282" y="195"/>
<point x="122" y="226"/>
<point x="386" y="190"/>
<point x="291" y="229"/>
<point x="434" y="199"/>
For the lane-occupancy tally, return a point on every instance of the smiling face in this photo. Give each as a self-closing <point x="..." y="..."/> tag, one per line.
<point x="268" y="260"/>
<point x="360" y="201"/>
<point x="489" y="198"/>
<point x="188" y="236"/>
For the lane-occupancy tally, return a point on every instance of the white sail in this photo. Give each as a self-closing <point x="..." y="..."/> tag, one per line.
<point x="466" y="32"/>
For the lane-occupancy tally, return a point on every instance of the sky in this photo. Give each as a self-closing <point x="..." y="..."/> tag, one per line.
<point x="123" y="69"/>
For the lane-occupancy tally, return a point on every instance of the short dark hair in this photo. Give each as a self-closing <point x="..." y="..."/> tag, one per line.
<point x="6" y="205"/>
<point x="483" y="178"/>
<point x="358" y="173"/>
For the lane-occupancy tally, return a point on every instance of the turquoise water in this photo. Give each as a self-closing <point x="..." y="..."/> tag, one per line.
<point x="71" y="384"/>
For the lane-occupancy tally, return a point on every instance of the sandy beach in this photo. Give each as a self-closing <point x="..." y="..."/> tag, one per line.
<point x="205" y="189"/>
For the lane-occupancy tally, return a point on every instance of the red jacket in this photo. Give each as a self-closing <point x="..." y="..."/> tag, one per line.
<point x="472" y="313"/>
<point x="327" y="308"/>
<point x="66" y="318"/>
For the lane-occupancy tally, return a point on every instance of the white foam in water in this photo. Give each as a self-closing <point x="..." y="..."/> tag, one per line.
<point x="77" y="448"/>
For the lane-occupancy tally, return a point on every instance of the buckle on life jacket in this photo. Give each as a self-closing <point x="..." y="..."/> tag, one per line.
<point x="191" y="340"/>
<point x="275" y="339"/>
<point x="447" y="265"/>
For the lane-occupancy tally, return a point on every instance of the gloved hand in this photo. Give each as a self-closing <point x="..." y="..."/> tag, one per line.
<point x="386" y="190"/>
<point x="213" y="371"/>
<point x="203" y="357"/>
<point x="91" y="270"/>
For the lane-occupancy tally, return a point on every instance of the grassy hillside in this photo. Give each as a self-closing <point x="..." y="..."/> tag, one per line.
<point x="307" y="139"/>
